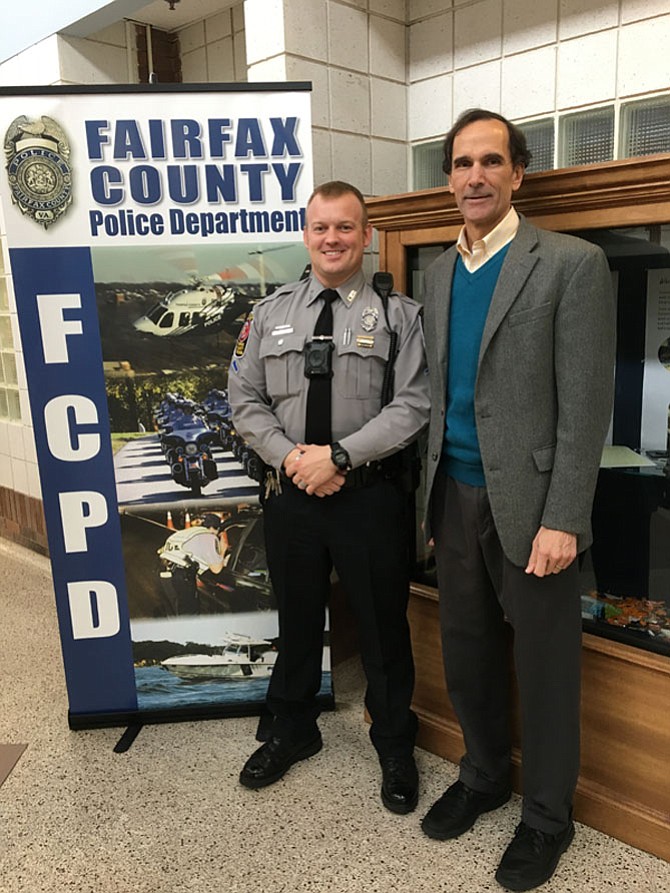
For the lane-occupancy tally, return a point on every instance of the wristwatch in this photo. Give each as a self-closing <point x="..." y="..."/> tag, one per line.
<point x="340" y="457"/>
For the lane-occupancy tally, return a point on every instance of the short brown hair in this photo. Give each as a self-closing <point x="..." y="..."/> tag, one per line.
<point x="518" y="149"/>
<point x="336" y="189"/>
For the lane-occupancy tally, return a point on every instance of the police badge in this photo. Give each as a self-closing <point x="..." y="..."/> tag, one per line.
<point x="369" y="319"/>
<point x="38" y="168"/>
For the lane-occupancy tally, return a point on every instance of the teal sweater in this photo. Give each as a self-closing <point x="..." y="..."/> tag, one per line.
<point x="471" y="295"/>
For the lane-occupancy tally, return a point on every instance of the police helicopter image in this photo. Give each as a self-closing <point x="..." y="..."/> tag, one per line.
<point x="209" y="303"/>
<point x="202" y="308"/>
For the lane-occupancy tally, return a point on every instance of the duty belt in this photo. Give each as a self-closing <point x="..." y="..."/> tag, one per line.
<point x="364" y="475"/>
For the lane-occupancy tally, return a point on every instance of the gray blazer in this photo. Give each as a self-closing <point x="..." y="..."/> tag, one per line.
<point x="543" y="395"/>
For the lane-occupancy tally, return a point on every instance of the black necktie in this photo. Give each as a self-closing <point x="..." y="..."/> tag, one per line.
<point x="317" y="420"/>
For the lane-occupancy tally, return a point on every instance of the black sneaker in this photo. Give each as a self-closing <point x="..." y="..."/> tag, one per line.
<point x="458" y="809"/>
<point x="532" y="857"/>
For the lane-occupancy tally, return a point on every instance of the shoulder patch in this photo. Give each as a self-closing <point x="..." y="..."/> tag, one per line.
<point x="243" y="337"/>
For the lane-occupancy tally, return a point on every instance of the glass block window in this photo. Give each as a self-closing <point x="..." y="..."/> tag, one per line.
<point x="586" y="137"/>
<point x="10" y="406"/>
<point x="427" y="170"/>
<point x="644" y="128"/>
<point x="540" y="139"/>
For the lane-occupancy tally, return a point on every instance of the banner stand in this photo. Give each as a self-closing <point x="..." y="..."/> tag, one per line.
<point x="82" y="721"/>
<point x="143" y="225"/>
<point x="127" y="740"/>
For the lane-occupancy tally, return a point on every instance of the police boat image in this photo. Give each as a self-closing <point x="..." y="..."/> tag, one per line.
<point x="242" y="657"/>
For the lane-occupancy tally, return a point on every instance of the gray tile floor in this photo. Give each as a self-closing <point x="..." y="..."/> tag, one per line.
<point x="169" y="816"/>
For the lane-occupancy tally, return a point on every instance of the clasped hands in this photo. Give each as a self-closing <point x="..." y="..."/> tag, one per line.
<point x="311" y="469"/>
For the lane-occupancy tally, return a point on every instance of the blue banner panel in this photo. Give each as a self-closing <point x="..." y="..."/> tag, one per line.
<point x="58" y="320"/>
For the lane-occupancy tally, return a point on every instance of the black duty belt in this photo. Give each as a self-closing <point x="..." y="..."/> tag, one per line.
<point x="364" y="475"/>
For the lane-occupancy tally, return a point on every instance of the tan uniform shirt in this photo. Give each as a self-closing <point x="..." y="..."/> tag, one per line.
<point x="268" y="388"/>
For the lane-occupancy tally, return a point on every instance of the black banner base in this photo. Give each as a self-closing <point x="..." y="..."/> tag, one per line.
<point x="125" y="742"/>
<point x="78" y="722"/>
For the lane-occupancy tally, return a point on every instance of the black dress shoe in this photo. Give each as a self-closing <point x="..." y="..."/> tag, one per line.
<point x="458" y="809"/>
<point x="400" y="784"/>
<point x="273" y="759"/>
<point x="532" y="857"/>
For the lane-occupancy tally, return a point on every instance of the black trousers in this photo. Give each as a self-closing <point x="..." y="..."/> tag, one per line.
<point x="186" y="590"/>
<point x="363" y="533"/>
<point x="482" y="596"/>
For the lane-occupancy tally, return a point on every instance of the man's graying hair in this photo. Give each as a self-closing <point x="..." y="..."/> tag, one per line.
<point x="518" y="149"/>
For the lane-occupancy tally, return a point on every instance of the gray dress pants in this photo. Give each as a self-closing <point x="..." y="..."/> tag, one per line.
<point x="486" y="602"/>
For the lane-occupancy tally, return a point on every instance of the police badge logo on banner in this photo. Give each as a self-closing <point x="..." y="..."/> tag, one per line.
<point x="38" y="167"/>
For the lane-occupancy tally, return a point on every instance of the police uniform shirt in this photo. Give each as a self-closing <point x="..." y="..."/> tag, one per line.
<point x="268" y="387"/>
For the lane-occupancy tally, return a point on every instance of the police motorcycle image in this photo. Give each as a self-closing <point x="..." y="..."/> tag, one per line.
<point x="252" y="464"/>
<point x="188" y="452"/>
<point x="219" y="416"/>
<point x="186" y="440"/>
<point x="242" y="657"/>
<point x="173" y="406"/>
<point x="218" y="411"/>
<point x="242" y="585"/>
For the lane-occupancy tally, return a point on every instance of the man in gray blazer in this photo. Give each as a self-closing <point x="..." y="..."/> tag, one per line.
<point x="519" y="327"/>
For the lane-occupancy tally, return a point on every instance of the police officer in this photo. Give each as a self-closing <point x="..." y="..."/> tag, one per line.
<point x="204" y="553"/>
<point x="306" y="390"/>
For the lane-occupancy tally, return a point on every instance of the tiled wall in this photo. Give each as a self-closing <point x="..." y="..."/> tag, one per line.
<point x="213" y="50"/>
<point x="99" y="59"/>
<point x="529" y="58"/>
<point x="354" y="53"/>
<point x="21" y="517"/>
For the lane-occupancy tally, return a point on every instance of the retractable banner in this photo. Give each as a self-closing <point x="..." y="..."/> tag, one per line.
<point x="143" y="225"/>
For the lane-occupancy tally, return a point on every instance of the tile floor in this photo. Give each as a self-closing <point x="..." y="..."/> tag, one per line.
<point x="169" y="816"/>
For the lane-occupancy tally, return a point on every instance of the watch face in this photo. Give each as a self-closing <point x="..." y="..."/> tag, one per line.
<point x="340" y="458"/>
